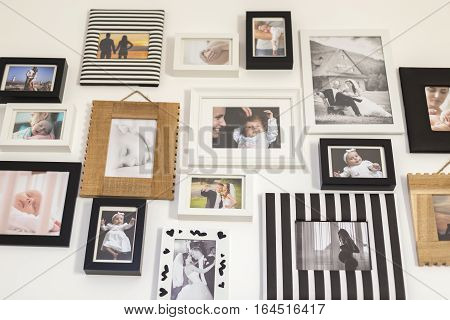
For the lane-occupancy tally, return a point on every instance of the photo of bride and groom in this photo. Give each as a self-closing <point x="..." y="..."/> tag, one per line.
<point x="193" y="270"/>
<point x="216" y="193"/>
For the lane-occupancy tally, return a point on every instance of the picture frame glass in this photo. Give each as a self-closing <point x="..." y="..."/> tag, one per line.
<point x="37" y="125"/>
<point x="438" y="107"/>
<point x="441" y="208"/>
<point x="217" y="192"/>
<point x="269" y="37"/>
<point x="207" y="51"/>
<point x="28" y="77"/>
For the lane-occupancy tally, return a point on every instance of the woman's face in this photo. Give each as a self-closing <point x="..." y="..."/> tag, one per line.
<point x="436" y="96"/>
<point x="28" y="201"/>
<point x="225" y="189"/>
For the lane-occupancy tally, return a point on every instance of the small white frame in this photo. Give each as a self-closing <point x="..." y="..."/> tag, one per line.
<point x="182" y="69"/>
<point x="397" y="127"/>
<point x="64" y="144"/>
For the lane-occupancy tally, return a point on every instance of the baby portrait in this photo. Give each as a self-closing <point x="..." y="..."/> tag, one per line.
<point x="246" y="127"/>
<point x="216" y="193"/>
<point x="207" y="51"/>
<point x="438" y="103"/>
<point x="441" y="205"/>
<point x="29" y="78"/>
<point x="32" y="203"/>
<point x="269" y="37"/>
<point x="123" y="46"/>
<point x="356" y="162"/>
<point x="131" y="148"/>
<point x="38" y="125"/>
<point x="116" y="230"/>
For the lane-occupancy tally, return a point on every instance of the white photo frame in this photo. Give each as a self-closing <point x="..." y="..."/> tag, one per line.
<point x="63" y="144"/>
<point x="245" y="212"/>
<point x="167" y="257"/>
<point x="396" y="127"/>
<point x="182" y="67"/>
<point x="201" y="151"/>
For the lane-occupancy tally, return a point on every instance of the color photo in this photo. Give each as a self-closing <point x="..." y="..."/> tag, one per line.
<point x="123" y="46"/>
<point x="28" y="78"/>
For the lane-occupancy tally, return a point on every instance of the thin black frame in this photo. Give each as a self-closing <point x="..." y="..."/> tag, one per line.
<point x="106" y="268"/>
<point x="55" y="96"/>
<point x="269" y="63"/>
<point x="420" y="136"/>
<point x="359" y="184"/>
<point x="63" y="240"/>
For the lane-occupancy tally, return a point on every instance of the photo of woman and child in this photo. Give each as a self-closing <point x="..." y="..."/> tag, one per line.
<point x="32" y="203"/>
<point x="216" y="193"/>
<point x="438" y="103"/>
<point x="352" y="162"/>
<point x="246" y="127"/>
<point x="38" y="125"/>
<point x="123" y="46"/>
<point x="269" y="37"/>
<point x="115" y="235"/>
<point x="207" y="51"/>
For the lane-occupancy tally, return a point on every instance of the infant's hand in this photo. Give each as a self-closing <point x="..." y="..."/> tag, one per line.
<point x="446" y="117"/>
<point x="336" y="174"/>
<point x="376" y="167"/>
<point x="247" y="111"/>
<point x="269" y="114"/>
<point x="275" y="52"/>
<point x="56" y="227"/>
<point x="103" y="222"/>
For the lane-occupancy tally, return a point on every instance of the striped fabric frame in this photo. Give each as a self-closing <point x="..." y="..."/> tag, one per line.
<point x="140" y="72"/>
<point x="282" y="279"/>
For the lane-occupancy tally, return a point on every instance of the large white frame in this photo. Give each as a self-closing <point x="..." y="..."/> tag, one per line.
<point x="311" y="127"/>
<point x="64" y="144"/>
<point x="289" y="155"/>
<point x="182" y="69"/>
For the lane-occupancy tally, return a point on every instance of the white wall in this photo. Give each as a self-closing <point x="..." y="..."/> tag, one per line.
<point x="48" y="28"/>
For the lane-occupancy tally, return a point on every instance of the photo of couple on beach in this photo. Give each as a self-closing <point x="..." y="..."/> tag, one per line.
<point x="123" y="46"/>
<point x="216" y="193"/>
<point x="28" y="78"/>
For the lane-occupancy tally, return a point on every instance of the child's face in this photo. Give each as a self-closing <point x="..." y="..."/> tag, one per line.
<point x="38" y="116"/>
<point x="28" y="201"/>
<point x="118" y="220"/>
<point x="353" y="158"/>
<point x="41" y="128"/>
<point x="264" y="28"/>
<point x="253" y="128"/>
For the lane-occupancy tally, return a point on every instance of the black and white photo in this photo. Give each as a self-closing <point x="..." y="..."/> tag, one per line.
<point x="441" y="206"/>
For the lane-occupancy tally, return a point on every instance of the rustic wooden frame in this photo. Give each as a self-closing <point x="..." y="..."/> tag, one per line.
<point x="430" y="251"/>
<point x="161" y="185"/>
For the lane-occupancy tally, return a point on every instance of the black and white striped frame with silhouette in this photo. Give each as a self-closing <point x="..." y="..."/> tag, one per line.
<point x="193" y="264"/>
<point x="284" y="280"/>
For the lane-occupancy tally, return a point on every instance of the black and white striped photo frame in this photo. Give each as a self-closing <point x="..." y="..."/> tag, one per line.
<point x="282" y="280"/>
<point x="123" y="72"/>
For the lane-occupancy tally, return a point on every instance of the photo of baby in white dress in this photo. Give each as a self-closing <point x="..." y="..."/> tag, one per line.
<point x="356" y="162"/>
<point x="115" y="235"/>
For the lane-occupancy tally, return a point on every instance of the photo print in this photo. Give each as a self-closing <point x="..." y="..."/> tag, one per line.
<point x="116" y="229"/>
<point x="441" y="205"/>
<point x="131" y="148"/>
<point x="29" y="78"/>
<point x="43" y="125"/>
<point x="332" y="246"/>
<point x="438" y="104"/>
<point x="193" y="270"/>
<point x="32" y="203"/>
<point x="216" y="193"/>
<point x="356" y="162"/>
<point x="123" y="46"/>
<point x="349" y="81"/>
<point x="246" y="127"/>
<point x="207" y="51"/>
<point x="269" y="37"/>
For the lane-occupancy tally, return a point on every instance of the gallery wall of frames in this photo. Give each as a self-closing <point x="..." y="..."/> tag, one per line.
<point x="255" y="153"/>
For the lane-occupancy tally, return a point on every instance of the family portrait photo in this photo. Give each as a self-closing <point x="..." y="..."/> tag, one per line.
<point x="123" y="46"/>
<point x="38" y="125"/>
<point x="332" y="246"/>
<point x="246" y="127"/>
<point x="207" y="51"/>
<point x="131" y="148"/>
<point x="356" y="162"/>
<point x="32" y="203"/>
<point x="193" y="271"/>
<point x="441" y="205"/>
<point x="438" y="103"/>
<point x="116" y="230"/>
<point x="216" y="193"/>
<point x="350" y="81"/>
<point x="29" y="78"/>
<point x="269" y="37"/>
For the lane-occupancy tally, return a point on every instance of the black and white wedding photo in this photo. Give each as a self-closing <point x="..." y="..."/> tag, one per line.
<point x="193" y="270"/>
<point x="216" y="193"/>
<point x="349" y="81"/>
<point x="332" y="246"/>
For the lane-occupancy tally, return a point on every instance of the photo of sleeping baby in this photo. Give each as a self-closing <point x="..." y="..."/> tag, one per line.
<point x="38" y="125"/>
<point x="32" y="203"/>
<point x="207" y="51"/>
<point x="131" y="148"/>
<point x="357" y="162"/>
<point x="246" y="127"/>
<point x="269" y="37"/>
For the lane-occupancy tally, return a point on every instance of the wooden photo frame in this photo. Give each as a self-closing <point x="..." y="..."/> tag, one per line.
<point x="152" y="130"/>
<point x="433" y="246"/>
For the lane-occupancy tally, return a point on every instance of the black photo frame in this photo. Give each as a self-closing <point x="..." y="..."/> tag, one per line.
<point x="359" y="184"/>
<point x="63" y="239"/>
<point x="269" y="63"/>
<point x="132" y="268"/>
<point x="422" y="139"/>
<point x="54" y="96"/>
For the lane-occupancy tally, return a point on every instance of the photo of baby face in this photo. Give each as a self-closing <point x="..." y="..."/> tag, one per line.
<point x="441" y="205"/>
<point x="269" y="37"/>
<point x="356" y="162"/>
<point x="207" y="51"/>
<point x="131" y="148"/>
<point x="438" y="104"/>
<point x="38" y="125"/>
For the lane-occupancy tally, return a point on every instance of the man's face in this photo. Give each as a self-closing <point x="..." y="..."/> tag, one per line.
<point x="219" y="188"/>
<point x="335" y="84"/>
<point x="218" y="120"/>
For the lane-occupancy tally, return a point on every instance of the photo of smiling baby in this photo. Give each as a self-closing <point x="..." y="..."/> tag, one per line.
<point x="38" y="125"/>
